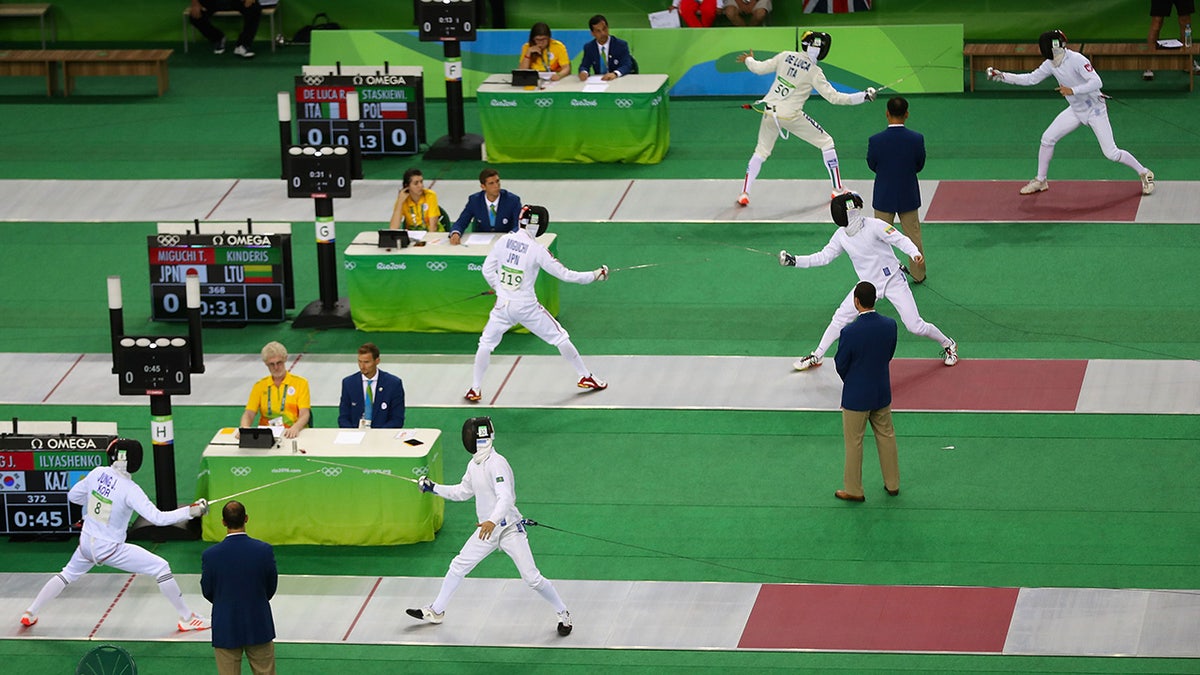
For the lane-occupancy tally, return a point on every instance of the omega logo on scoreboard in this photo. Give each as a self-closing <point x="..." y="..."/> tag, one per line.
<point x="391" y="112"/>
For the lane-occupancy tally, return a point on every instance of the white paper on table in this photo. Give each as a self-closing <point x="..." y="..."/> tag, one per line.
<point x="664" y="19"/>
<point x="1170" y="44"/>
<point x="349" y="437"/>
<point x="276" y="431"/>
<point x="479" y="239"/>
<point x="596" y="86"/>
<point x="406" y="434"/>
<point x="417" y="235"/>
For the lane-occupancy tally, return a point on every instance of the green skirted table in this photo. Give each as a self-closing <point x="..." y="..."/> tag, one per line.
<point x="341" y="487"/>
<point x="624" y="120"/>
<point x="436" y="288"/>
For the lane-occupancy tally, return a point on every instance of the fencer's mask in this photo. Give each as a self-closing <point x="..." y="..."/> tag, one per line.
<point x="815" y="44"/>
<point x="846" y="210"/>
<point x="1053" y="45"/>
<point x="477" y="435"/>
<point x="125" y="455"/>
<point x="534" y="220"/>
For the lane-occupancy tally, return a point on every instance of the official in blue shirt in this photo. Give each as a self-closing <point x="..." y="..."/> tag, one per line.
<point x="897" y="155"/>
<point x="383" y="391"/>
<point x="605" y="56"/>
<point x="238" y="576"/>
<point x="865" y="350"/>
<point x="492" y="209"/>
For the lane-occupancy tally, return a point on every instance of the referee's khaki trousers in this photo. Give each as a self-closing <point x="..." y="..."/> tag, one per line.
<point x="261" y="658"/>
<point x="854" y="426"/>
<point x="911" y="224"/>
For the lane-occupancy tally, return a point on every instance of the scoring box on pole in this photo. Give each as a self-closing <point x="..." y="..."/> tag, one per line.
<point x="391" y="109"/>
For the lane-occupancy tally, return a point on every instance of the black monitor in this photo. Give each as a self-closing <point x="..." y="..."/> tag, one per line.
<point x="256" y="438"/>
<point x="393" y="239"/>
<point x="524" y="77"/>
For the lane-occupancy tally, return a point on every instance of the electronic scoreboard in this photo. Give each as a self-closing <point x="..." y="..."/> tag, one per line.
<point x="38" y="469"/>
<point x="391" y="108"/>
<point x="153" y="365"/>
<point x="244" y="277"/>
<point x="445" y="20"/>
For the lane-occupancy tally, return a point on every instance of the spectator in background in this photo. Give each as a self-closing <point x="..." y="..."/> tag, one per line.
<point x="897" y="155"/>
<point x="371" y="398"/>
<point x="544" y="53"/>
<point x="756" y="10"/>
<point x="865" y="348"/>
<point x="200" y="14"/>
<point x="1159" y="11"/>
<point x="605" y="56"/>
<point x="696" y="13"/>
<point x="492" y="209"/>
<point x="239" y="577"/>
<point x="416" y="207"/>
<point x="279" y="399"/>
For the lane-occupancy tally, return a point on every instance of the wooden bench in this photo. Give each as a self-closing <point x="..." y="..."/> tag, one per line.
<point x="1009" y="57"/>
<point x="268" y="12"/>
<point x="1141" y="56"/>
<point x="32" y="10"/>
<point x="82" y="62"/>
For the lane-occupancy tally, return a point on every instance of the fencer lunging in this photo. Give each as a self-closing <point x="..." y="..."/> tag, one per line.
<point x="1079" y="83"/>
<point x="489" y="479"/>
<point x="868" y="241"/>
<point x="796" y="75"/>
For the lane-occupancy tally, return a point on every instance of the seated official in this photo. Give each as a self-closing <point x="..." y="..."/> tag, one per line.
<point x="605" y="56"/>
<point x="371" y="398"/>
<point x="491" y="209"/>
<point x="280" y="399"/>
<point x="543" y="54"/>
<point x="416" y="208"/>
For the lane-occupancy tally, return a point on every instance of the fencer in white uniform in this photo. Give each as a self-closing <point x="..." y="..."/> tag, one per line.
<point x="1080" y="84"/>
<point x="110" y="498"/>
<point x="869" y="242"/>
<point x="511" y="269"/>
<point x="796" y="75"/>
<point x="489" y="479"/>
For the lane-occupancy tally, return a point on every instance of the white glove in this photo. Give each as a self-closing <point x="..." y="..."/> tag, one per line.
<point x="425" y="484"/>
<point x="787" y="259"/>
<point x="995" y="75"/>
<point x="869" y="94"/>
<point x="601" y="274"/>
<point x="198" y="508"/>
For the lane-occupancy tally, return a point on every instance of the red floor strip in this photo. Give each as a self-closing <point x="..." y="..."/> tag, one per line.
<point x="987" y="384"/>
<point x="880" y="618"/>
<point x="108" y="611"/>
<point x="363" y="608"/>
<point x="969" y="201"/>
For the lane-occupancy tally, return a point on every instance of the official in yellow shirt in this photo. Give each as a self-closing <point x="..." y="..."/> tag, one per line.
<point x="545" y="54"/>
<point x="416" y="208"/>
<point x="279" y="399"/>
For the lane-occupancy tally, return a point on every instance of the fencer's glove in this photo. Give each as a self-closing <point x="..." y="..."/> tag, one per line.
<point x="425" y="484"/>
<point x="995" y="75"/>
<point x="601" y="274"/>
<point x="787" y="259"/>
<point x="869" y="94"/>
<point x="198" y="508"/>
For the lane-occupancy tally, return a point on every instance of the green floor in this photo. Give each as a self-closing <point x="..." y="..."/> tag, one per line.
<point x="1022" y="500"/>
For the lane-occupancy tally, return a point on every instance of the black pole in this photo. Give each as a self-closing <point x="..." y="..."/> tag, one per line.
<point x="457" y="144"/>
<point x="326" y="253"/>
<point x="454" y="95"/>
<point x="116" y="314"/>
<point x="285" y="131"/>
<point x="162" y="434"/>
<point x="195" y="336"/>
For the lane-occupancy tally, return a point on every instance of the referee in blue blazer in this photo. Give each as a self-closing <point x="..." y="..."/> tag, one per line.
<point x="491" y="209"/>
<point x="865" y="350"/>
<point x="605" y="56"/>
<point x="897" y="155"/>
<point x="238" y="576"/>
<point x="383" y="391"/>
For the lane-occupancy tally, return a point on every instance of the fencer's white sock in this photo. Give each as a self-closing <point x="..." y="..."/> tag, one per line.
<point x="831" y="165"/>
<point x="546" y="590"/>
<point x="449" y="585"/>
<point x="482" y="356"/>
<point x="1130" y="161"/>
<point x="170" y="589"/>
<point x="752" y="169"/>
<point x="1045" y="153"/>
<point x="50" y="591"/>
<point x="571" y="354"/>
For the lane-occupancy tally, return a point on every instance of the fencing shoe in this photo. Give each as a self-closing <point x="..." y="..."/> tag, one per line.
<point x="950" y="353"/>
<point x="590" y="382"/>
<point x="28" y="619"/>
<point x="194" y="622"/>
<point x="1148" y="75"/>
<point x="806" y="362"/>
<point x="473" y="396"/>
<point x="426" y="613"/>
<point x="1035" y="185"/>
<point x="743" y="199"/>
<point x="243" y="52"/>
<point x="564" y="623"/>
<point x="1147" y="182"/>
<point x="219" y="47"/>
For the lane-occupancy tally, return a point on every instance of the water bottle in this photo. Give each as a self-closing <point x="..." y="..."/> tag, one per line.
<point x="1187" y="36"/>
